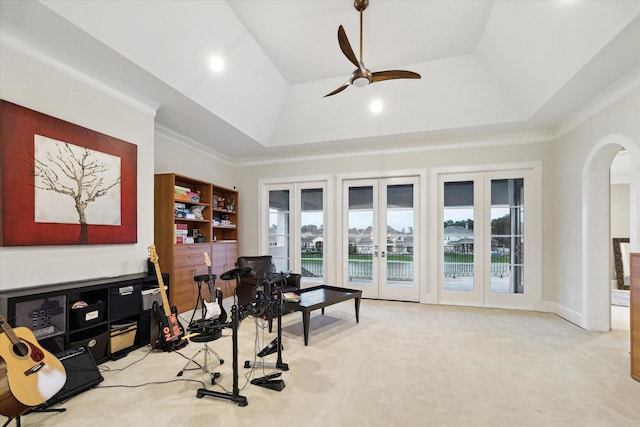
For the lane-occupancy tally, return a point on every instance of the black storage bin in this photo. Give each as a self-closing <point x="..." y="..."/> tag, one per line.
<point x="97" y="344"/>
<point x="124" y="301"/>
<point x="86" y="316"/>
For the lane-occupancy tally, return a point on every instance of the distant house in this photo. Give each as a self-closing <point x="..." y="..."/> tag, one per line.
<point x="458" y="239"/>
<point x="311" y="243"/>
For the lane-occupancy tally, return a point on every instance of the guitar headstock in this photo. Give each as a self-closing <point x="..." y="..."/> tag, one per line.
<point x="153" y="256"/>
<point x="207" y="260"/>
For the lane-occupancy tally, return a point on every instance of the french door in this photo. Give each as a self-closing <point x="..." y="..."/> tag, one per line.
<point x="485" y="239"/>
<point x="296" y="228"/>
<point x="380" y="239"/>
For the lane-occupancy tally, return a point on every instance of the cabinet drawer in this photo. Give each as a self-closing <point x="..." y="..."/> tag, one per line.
<point x="190" y="255"/>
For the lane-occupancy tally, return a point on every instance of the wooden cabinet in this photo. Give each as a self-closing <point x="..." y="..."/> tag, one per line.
<point x="634" y="308"/>
<point x="224" y="259"/>
<point x="190" y="216"/>
<point x="59" y="322"/>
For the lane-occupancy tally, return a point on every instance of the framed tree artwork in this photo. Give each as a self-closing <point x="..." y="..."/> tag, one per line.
<point x="63" y="184"/>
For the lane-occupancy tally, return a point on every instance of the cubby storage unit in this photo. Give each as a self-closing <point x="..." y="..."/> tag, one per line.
<point x="181" y="238"/>
<point x="101" y="305"/>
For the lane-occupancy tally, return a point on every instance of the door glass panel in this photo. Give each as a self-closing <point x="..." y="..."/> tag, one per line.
<point x="279" y="228"/>
<point x="507" y="235"/>
<point x="399" y="238"/>
<point x="458" y="236"/>
<point x="312" y="234"/>
<point x="361" y="235"/>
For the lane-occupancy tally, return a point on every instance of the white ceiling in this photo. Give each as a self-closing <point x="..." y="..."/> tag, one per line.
<point x="487" y="66"/>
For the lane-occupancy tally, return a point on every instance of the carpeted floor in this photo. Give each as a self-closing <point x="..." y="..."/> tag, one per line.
<point x="404" y="364"/>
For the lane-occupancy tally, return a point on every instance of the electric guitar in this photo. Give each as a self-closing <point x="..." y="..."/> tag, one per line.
<point x="170" y="330"/>
<point x="215" y="305"/>
<point x="29" y="374"/>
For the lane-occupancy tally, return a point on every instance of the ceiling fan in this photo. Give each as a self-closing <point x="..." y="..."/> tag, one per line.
<point x="362" y="76"/>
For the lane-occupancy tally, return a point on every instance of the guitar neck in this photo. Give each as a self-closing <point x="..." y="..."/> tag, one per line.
<point x="8" y="330"/>
<point x="163" y="292"/>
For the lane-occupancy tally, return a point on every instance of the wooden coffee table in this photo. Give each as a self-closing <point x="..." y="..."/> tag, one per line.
<point x="321" y="297"/>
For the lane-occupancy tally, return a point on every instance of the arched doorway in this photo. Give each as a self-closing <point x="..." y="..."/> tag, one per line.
<point x="596" y="242"/>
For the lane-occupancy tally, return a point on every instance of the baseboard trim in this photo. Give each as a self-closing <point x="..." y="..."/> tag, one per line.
<point x="568" y="314"/>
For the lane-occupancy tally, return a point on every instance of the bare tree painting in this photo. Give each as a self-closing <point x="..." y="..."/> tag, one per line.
<point x="75" y="185"/>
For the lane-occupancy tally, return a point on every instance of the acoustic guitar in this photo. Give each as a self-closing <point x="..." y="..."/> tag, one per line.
<point x="29" y="374"/>
<point x="171" y="331"/>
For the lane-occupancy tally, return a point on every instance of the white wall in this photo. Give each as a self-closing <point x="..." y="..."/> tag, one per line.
<point x="35" y="81"/>
<point x="620" y="210"/>
<point x="564" y="254"/>
<point x="175" y="155"/>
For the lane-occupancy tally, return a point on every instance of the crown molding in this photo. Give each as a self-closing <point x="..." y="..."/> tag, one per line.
<point x="191" y="144"/>
<point x="17" y="45"/>
<point x="449" y="143"/>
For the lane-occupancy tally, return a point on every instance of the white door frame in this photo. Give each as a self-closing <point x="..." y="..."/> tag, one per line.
<point x="533" y="278"/>
<point x="420" y="221"/>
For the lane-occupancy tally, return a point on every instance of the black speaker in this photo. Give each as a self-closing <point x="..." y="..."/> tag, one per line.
<point x="82" y="373"/>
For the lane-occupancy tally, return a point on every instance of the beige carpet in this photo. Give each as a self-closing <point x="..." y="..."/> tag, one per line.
<point x="403" y="365"/>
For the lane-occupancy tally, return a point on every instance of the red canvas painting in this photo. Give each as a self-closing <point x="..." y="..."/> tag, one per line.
<point x="63" y="184"/>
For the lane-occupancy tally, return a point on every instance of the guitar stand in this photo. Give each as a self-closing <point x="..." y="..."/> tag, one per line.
<point x="36" y="409"/>
<point x="234" y="396"/>
<point x="200" y="300"/>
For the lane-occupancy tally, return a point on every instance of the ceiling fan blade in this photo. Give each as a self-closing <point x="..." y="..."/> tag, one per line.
<point x="340" y="89"/>
<point x="379" y="76"/>
<point x="345" y="46"/>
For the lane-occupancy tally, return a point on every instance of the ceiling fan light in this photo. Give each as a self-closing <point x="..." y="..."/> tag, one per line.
<point x="360" y="82"/>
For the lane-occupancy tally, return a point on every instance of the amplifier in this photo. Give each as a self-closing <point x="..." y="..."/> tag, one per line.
<point x="82" y="373"/>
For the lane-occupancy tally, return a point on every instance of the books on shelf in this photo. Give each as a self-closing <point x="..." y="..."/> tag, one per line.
<point x="181" y="190"/>
<point x="185" y="194"/>
<point x="180" y="233"/>
<point x="188" y="197"/>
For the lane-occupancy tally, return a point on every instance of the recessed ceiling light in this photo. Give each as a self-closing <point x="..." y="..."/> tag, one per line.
<point x="375" y="106"/>
<point x="216" y="63"/>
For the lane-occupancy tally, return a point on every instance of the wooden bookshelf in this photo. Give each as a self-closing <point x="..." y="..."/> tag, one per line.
<point x="176" y="196"/>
